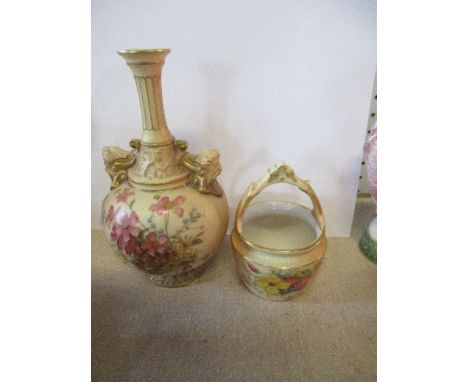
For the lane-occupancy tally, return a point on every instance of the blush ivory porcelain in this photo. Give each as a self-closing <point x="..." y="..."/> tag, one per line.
<point x="278" y="245"/>
<point x="166" y="213"/>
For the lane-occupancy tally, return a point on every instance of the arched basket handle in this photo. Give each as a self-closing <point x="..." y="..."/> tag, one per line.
<point x="279" y="173"/>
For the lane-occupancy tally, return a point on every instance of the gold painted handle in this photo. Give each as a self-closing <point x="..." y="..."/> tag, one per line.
<point x="204" y="168"/>
<point x="117" y="161"/>
<point x="279" y="173"/>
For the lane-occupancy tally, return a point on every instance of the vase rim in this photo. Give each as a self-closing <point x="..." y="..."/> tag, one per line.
<point x="136" y="51"/>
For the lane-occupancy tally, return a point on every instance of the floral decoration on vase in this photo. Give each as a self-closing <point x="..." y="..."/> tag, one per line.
<point x="156" y="251"/>
<point x="284" y="284"/>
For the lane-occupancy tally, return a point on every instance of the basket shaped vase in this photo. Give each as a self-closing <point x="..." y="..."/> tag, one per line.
<point x="278" y="245"/>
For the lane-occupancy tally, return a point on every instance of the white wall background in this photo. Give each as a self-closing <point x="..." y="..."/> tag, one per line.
<point x="261" y="81"/>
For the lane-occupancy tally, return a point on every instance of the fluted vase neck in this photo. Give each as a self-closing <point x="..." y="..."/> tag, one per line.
<point x="158" y="157"/>
<point x="146" y="66"/>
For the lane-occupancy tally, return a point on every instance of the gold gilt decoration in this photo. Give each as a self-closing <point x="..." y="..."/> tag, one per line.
<point x="279" y="173"/>
<point x="181" y="151"/>
<point x="117" y="162"/>
<point x="204" y="168"/>
<point x="135" y="144"/>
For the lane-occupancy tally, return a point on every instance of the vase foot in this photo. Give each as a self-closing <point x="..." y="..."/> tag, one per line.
<point x="179" y="280"/>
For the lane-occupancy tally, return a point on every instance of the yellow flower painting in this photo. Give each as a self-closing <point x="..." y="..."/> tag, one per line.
<point x="272" y="284"/>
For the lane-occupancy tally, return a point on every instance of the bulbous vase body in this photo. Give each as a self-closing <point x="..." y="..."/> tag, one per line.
<point x="169" y="234"/>
<point x="166" y="213"/>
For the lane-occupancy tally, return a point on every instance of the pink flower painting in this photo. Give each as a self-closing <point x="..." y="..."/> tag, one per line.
<point x="144" y="242"/>
<point x="252" y="267"/>
<point x="154" y="244"/>
<point x="165" y="205"/>
<point x="123" y="230"/>
<point x="296" y="283"/>
<point x="111" y="214"/>
<point x="123" y="195"/>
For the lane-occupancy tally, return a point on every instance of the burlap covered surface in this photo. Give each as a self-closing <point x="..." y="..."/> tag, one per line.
<point x="216" y="330"/>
